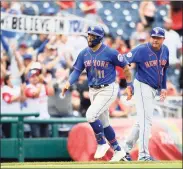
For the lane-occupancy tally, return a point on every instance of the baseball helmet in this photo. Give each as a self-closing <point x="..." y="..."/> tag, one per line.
<point x="98" y="32"/>
<point x="158" y="32"/>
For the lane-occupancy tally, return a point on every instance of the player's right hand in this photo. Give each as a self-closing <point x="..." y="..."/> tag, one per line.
<point x="65" y="88"/>
<point x="128" y="91"/>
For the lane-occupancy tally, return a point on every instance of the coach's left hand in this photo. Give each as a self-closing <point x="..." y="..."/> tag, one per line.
<point x="129" y="90"/>
<point x="163" y="94"/>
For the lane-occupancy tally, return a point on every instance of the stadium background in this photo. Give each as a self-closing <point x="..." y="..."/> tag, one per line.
<point x="125" y="29"/>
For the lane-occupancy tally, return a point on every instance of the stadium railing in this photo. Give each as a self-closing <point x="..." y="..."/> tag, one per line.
<point x="18" y="147"/>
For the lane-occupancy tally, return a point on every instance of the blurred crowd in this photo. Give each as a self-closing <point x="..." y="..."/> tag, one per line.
<point x="32" y="75"/>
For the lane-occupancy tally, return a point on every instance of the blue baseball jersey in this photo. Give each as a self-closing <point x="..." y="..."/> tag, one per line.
<point x="100" y="65"/>
<point x="151" y="65"/>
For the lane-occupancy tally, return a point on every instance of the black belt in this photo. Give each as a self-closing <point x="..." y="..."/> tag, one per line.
<point x="98" y="86"/>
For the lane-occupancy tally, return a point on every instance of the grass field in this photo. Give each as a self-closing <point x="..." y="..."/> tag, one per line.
<point x="134" y="164"/>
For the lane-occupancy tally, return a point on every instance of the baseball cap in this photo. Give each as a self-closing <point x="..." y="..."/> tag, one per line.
<point x="23" y="45"/>
<point x="27" y="56"/>
<point x="51" y="47"/>
<point x="36" y="65"/>
<point x="31" y="73"/>
<point x="158" y="32"/>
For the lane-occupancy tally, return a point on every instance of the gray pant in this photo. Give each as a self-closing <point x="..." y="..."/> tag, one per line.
<point x="144" y="98"/>
<point x="101" y="99"/>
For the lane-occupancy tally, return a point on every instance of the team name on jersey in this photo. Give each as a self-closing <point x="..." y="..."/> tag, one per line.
<point x="152" y="63"/>
<point x="99" y="63"/>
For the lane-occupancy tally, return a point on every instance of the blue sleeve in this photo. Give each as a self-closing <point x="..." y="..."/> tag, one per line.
<point x="5" y="45"/>
<point x="41" y="48"/>
<point x="134" y="55"/>
<point x="79" y="64"/>
<point x="118" y="59"/>
<point x="74" y="76"/>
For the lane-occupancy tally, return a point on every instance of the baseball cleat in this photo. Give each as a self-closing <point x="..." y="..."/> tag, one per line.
<point x="101" y="150"/>
<point x="127" y="157"/>
<point x="147" y="159"/>
<point x="119" y="155"/>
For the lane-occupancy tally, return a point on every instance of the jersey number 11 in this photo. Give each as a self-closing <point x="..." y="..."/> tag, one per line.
<point x="100" y="74"/>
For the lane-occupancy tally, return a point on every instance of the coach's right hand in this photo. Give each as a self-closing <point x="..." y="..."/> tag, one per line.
<point x="65" y="88"/>
<point x="129" y="90"/>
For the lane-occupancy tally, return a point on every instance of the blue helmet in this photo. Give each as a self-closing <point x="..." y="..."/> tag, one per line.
<point x="98" y="32"/>
<point x="158" y="32"/>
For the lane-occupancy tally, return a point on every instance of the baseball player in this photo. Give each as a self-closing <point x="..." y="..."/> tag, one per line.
<point x="99" y="61"/>
<point x="152" y="60"/>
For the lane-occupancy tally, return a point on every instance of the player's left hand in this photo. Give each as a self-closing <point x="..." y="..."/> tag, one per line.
<point x="65" y="88"/>
<point x="129" y="90"/>
<point x="163" y="94"/>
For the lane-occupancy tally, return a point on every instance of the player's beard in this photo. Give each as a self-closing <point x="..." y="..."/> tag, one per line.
<point x="90" y="44"/>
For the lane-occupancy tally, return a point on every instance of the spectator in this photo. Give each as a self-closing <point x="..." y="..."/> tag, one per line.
<point x="3" y="66"/>
<point x="89" y="8"/>
<point x="5" y="6"/>
<point x="12" y="8"/>
<point x="181" y="78"/>
<point x="37" y="101"/>
<point x="49" y="12"/>
<point x="109" y="40"/>
<point x="147" y="11"/>
<point x="162" y="2"/>
<point x="82" y="88"/>
<point x="118" y="109"/>
<point x="175" y="13"/>
<point x="65" y="5"/>
<point x="40" y="40"/>
<point x="23" y="48"/>
<point x="121" y="46"/>
<point x="50" y="59"/>
<point x="65" y="51"/>
<point x="10" y="100"/>
<point x="139" y="36"/>
<point x="76" y="103"/>
<point x="173" y="42"/>
<point x="57" y="105"/>
<point x="78" y="43"/>
<point x="171" y="89"/>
